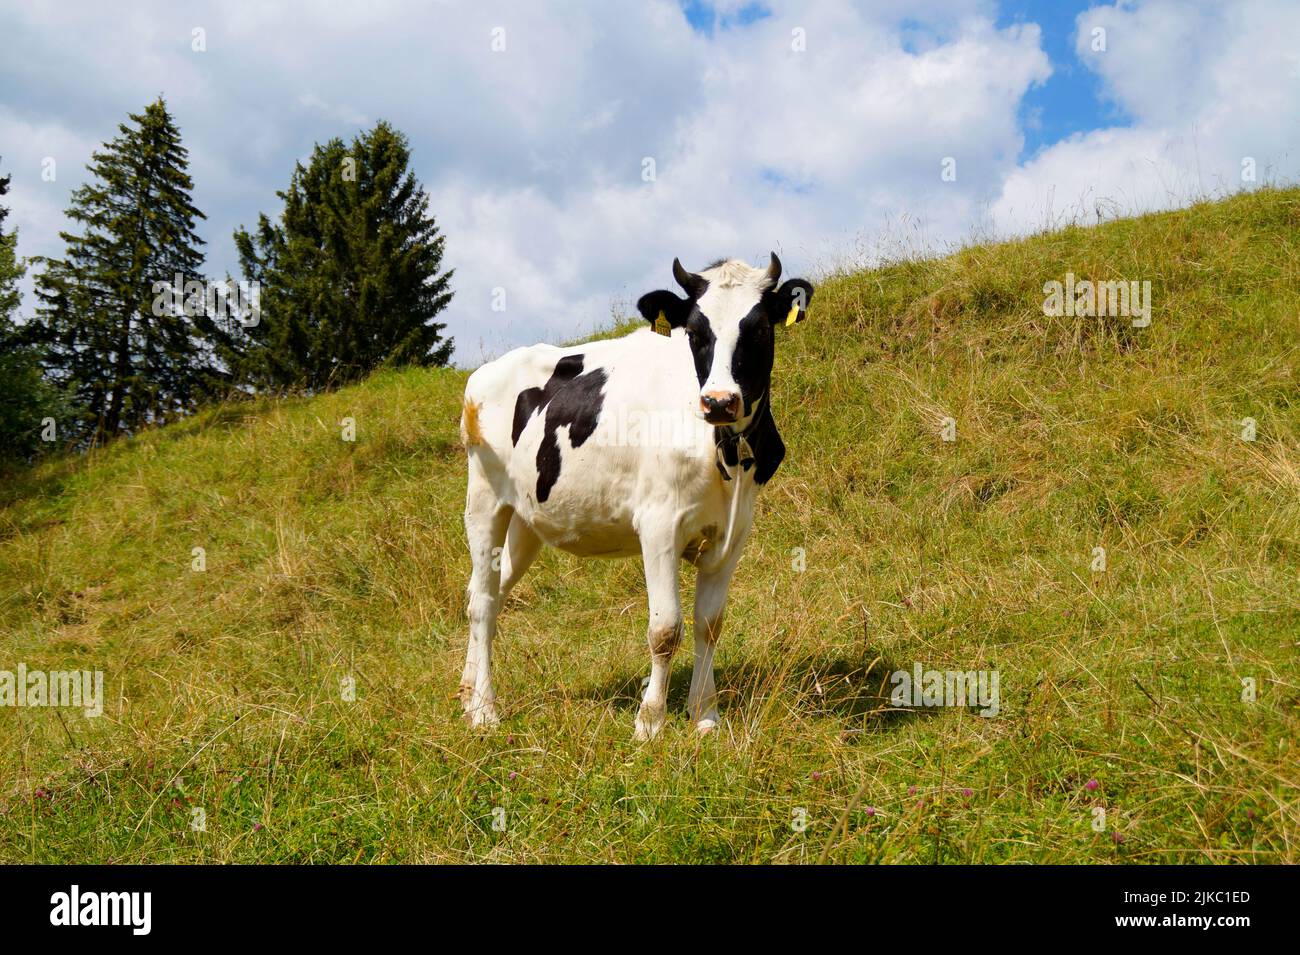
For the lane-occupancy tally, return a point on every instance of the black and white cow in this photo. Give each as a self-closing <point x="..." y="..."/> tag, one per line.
<point x="651" y="444"/>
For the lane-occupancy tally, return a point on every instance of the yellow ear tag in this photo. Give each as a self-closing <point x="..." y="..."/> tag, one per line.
<point x="662" y="326"/>
<point x="793" y="316"/>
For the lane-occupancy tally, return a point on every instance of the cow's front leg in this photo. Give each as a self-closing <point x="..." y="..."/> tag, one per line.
<point x="662" y="559"/>
<point x="710" y="604"/>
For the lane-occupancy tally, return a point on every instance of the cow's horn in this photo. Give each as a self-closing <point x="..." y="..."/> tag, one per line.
<point x="692" y="283"/>
<point x="774" y="271"/>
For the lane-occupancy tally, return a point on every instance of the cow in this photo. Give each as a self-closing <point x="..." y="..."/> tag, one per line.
<point x="653" y="445"/>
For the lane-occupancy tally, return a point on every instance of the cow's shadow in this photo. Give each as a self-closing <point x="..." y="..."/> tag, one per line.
<point x="854" y="692"/>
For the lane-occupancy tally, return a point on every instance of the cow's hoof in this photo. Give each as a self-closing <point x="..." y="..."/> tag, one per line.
<point x="466" y="694"/>
<point x="646" y="730"/>
<point x="482" y="716"/>
<point x="706" y="725"/>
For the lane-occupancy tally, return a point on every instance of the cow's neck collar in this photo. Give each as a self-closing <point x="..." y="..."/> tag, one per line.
<point x="737" y="444"/>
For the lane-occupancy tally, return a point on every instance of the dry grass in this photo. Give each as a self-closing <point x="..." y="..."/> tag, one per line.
<point x="327" y="559"/>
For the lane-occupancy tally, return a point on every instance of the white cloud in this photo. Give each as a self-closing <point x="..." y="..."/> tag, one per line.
<point x="534" y="155"/>
<point x="1206" y="85"/>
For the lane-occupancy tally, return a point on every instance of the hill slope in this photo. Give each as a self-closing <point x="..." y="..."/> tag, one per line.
<point x="328" y="559"/>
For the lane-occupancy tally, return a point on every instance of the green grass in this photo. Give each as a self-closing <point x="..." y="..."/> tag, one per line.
<point x="327" y="559"/>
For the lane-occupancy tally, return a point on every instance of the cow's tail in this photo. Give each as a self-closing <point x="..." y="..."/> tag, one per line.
<point x="471" y="433"/>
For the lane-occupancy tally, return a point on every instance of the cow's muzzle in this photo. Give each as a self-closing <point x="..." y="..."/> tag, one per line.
<point x="720" y="407"/>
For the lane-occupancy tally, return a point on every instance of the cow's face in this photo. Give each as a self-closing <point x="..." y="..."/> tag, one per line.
<point x="730" y="313"/>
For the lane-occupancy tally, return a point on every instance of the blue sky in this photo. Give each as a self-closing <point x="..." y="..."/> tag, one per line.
<point x="705" y="17"/>
<point x="569" y="167"/>
<point x="1071" y="101"/>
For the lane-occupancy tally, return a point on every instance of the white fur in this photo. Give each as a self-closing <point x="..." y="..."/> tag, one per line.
<point x="622" y="493"/>
<point x="734" y="289"/>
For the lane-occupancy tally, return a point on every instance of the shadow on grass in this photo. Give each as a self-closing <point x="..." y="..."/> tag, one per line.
<point x="19" y="483"/>
<point x="854" y="692"/>
<point x="48" y="477"/>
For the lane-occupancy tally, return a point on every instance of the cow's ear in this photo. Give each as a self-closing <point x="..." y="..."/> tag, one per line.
<point x="664" y="310"/>
<point x="789" y="303"/>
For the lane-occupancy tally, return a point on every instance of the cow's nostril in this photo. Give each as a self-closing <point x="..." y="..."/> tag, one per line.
<point x="725" y="404"/>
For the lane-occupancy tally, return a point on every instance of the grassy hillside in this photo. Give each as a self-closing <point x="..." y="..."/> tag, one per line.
<point x="1120" y="688"/>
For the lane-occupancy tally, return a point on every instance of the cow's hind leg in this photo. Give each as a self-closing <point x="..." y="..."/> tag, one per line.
<point x="661" y="559"/>
<point x="522" y="545"/>
<point x="486" y="520"/>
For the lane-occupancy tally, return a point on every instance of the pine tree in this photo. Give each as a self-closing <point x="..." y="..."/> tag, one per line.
<point x="349" y="275"/>
<point x="11" y="269"/>
<point x="26" y="399"/>
<point x="126" y="360"/>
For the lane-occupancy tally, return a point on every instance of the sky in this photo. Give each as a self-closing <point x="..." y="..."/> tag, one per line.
<point x="572" y="149"/>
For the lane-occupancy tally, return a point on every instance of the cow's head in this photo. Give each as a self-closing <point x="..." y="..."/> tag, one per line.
<point x="729" y="313"/>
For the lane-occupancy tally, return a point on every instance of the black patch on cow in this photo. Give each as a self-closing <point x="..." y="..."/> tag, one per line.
<point x="751" y="363"/>
<point x="764" y="440"/>
<point x="568" y="398"/>
<point x="699" y="332"/>
<point x="531" y="399"/>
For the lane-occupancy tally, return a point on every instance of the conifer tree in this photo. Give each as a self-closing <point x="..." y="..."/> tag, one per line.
<point x="126" y="360"/>
<point x="349" y="274"/>
<point x="27" y="400"/>
<point x="11" y="269"/>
